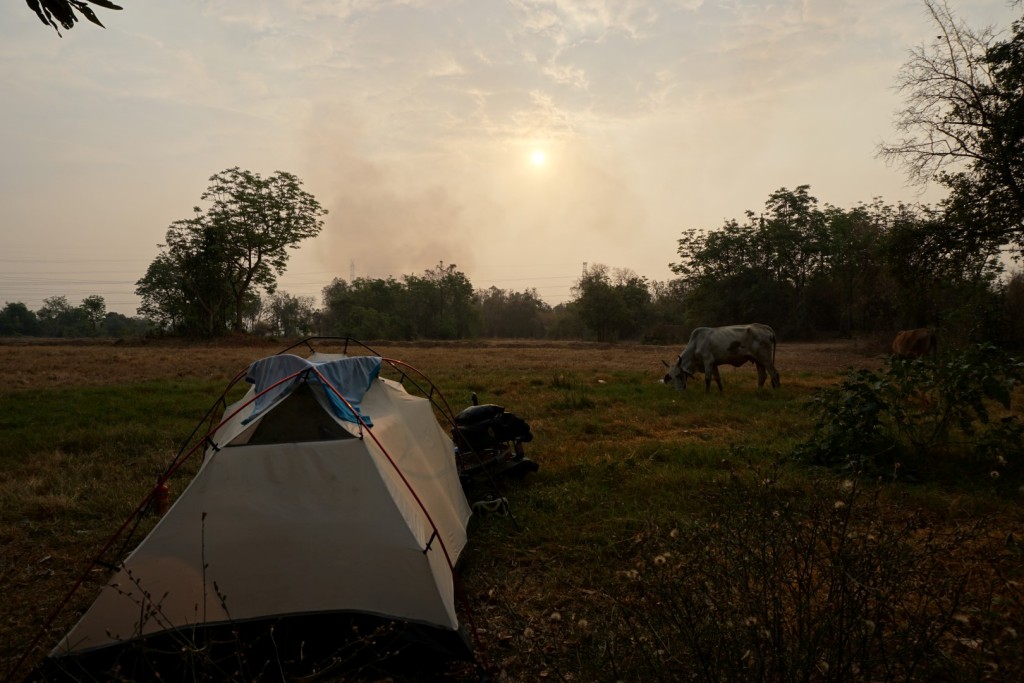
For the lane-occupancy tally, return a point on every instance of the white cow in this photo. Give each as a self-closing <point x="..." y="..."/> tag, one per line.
<point x="710" y="347"/>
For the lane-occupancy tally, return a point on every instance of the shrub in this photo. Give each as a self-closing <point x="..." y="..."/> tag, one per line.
<point x="922" y="415"/>
<point x="780" y="584"/>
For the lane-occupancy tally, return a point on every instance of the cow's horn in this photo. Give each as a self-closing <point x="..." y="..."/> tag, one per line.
<point x="665" y="362"/>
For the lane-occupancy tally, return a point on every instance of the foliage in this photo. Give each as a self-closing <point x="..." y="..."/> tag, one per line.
<point x="853" y="278"/>
<point x="962" y="124"/>
<point x="763" y="269"/>
<point x="291" y="316"/>
<point x="807" y="270"/>
<point x="95" y="309"/>
<point x="205" y="276"/>
<point x="944" y="272"/>
<point x="564" y="322"/>
<point x="922" y="416"/>
<point x="440" y="303"/>
<point x="510" y="315"/>
<point x="120" y="325"/>
<point x="166" y="298"/>
<point x="667" y="313"/>
<point x="437" y="305"/>
<point x="17" y="320"/>
<point x="612" y="305"/>
<point x="58" y="318"/>
<point x="1012" y="296"/>
<point x="52" y="12"/>
<point x="364" y="309"/>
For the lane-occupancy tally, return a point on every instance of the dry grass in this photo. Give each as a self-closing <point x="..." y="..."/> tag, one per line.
<point x="539" y="593"/>
<point x="26" y="364"/>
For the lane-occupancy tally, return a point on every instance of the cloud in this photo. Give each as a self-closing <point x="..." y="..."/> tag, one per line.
<point x="412" y="121"/>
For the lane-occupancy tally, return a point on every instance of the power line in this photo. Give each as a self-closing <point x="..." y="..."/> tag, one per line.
<point x="73" y="260"/>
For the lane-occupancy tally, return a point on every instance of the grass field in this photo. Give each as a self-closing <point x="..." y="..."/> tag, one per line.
<point x="642" y="491"/>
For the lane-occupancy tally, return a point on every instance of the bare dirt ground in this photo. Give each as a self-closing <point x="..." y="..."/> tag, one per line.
<point x="27" y="363"/>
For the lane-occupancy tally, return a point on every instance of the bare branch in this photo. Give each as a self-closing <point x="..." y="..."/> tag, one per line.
<point x="946" y="113"/>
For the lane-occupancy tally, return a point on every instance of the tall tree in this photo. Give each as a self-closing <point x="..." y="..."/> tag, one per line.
<point x="611" y="305"/>
<point x="260" y="219"/>
<point x="759" y="270"/>
<point x="17" y="320"/>
<point x="95" y="308"/>
<point x="366" y="309"/>
<point x="291" y="315"/>
<point x="963" y="121"/>
<point x="440" y="302"/>
<point x="165" y="300"/>
<point x="185" y="287"/>
<point x="853" y="268"/>
<point x="212" y="263"/>
<point x="950" y="282"/>
<point x="794" y="242"/>
<point x="55" y="316"/>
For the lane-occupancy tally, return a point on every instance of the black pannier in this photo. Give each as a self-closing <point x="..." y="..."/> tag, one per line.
<point x="489" y="442"/>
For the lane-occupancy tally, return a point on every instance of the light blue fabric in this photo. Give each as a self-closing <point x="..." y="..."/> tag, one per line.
<point x="350" y="377"/>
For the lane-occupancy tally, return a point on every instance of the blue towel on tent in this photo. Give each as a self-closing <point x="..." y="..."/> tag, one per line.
<point x="351" y="377"/>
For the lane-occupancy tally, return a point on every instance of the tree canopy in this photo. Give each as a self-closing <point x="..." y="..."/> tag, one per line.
<point x="211" y="265"/>
<point x="809" y="269"/>
<point x="612" y="305"/>
<point x="962" y="123"/>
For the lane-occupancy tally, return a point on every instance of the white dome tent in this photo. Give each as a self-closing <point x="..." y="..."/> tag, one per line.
<point x="326" y="490"/>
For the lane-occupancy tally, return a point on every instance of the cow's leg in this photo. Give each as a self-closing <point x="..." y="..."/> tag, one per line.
<point x="761" y="374"/>
<point x="718" y="379"/>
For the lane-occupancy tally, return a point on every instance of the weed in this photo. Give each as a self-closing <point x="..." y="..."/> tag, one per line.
<point x="834" y="584"/>
<point x="574" y="393"/>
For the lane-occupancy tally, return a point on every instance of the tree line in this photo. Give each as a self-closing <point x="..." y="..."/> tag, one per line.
<point x="808" y="270"/>
<point x="876" y="267"/>
<point x="58" y="318"/>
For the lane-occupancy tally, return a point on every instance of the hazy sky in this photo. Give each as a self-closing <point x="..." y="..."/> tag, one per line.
<point x="416" y="123"/>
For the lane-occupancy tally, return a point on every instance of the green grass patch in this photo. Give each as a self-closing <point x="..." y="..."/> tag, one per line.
<point x="84" y="421"/>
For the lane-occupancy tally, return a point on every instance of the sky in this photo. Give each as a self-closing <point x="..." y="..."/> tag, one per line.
<point x="521" y="140"/>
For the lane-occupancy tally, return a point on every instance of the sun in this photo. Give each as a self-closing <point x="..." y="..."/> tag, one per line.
<point x="538" y="158"/>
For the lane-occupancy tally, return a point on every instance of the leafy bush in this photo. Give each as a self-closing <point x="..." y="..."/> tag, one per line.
<point x="954" y="412"/>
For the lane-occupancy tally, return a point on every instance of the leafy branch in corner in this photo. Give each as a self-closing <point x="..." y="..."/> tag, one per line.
<point x="54" y="12"/>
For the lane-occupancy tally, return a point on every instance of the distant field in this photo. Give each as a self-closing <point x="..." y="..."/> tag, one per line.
<point x="85" y="427"/>
<point x="46" y="363"/>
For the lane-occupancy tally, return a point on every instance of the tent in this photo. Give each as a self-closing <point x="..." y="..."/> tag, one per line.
<point x="327" y="489"/>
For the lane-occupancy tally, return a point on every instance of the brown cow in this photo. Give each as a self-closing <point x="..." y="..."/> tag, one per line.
<point x="916" y="343"/>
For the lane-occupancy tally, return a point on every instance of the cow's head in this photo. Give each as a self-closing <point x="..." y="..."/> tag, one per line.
<point x="676" y="376"/>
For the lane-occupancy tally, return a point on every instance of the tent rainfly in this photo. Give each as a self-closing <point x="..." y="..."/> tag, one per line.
<point x="326" y="489"/>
